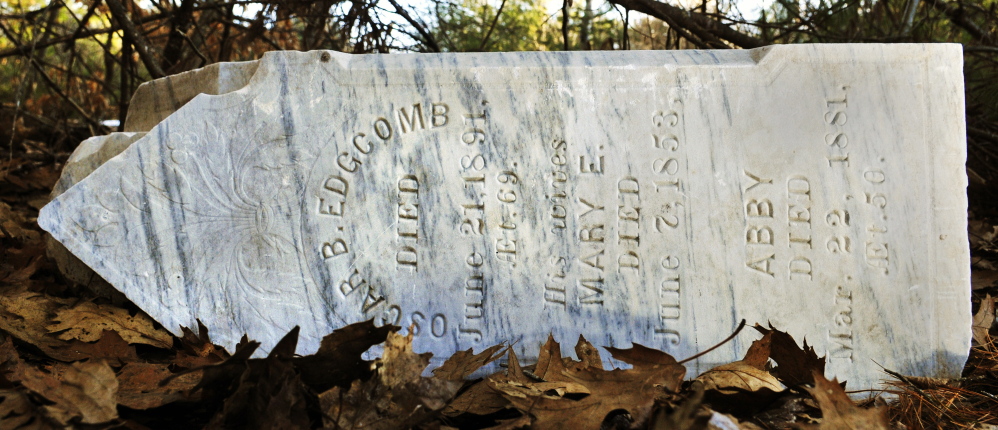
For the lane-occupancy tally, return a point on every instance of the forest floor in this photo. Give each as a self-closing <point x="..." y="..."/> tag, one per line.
<point x="71" y="359"/>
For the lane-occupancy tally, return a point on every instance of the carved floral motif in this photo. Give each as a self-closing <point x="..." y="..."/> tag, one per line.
<point x="240" y="207"/>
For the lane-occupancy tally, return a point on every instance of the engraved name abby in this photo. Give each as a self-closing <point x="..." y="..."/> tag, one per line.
<point x="761" y="230"/>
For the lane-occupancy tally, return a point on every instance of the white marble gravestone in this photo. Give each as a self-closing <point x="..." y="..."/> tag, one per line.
<point x="648" y="197"/>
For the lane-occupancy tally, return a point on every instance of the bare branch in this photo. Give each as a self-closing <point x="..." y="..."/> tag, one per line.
<point x="564" y="21"/>
<point x="956" y="16"/>
<point x="427" y="37"/>
<point x="697" y="23"/>
<point x="134" y="38"/>
<point x="48" y="81"/>
<point x="495" y="21"/>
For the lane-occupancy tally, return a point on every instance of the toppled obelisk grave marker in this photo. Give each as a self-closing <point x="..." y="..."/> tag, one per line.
<point x="648" y="197"/>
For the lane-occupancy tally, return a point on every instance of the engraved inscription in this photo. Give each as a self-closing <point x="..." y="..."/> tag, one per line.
<point x="473" y="225"/>
<point x="799" y="227"/>
<point x="835" y="117"/>
<point x="760" y="248"/>
<point x="877" y="249"/>
<point x="592" y="235"/>
<point x="474" y="299"/>
<point x="840" y="339"/>
<point x="670" y="295"/>
<point x="407" y="224"/>
<point x="668" y="169"/>
<point x="558" y="182"/>
<point x="628" y="226"/>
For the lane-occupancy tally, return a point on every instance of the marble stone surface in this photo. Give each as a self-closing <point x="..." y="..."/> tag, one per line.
<point x="155" y="100"/>
<point x="649" y="197"/>
<point x="88" y="156"/>
<point x="151" y="103"/>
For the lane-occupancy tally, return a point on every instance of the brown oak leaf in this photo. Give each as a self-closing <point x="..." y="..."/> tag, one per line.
<point x="687" y="415"/>
<point x="794" y="365"/>
<point x="748" y="374"/>
<point x="338" y="360"/>
<point x="12" y="225"/>
<point x="983" y="320"/>
<point x="588" y="354"/>
<point x="396" y="397"/>
<point x="10" y="363"/>
<point x="85" y="391"/>
<point x="269" y="394"/>
<point x="151" y="385"/>
<point x="838" y="412"/>
<point x="24" y="314"/>
<point x="20" y="264"/>
<point x="85" y="321"/>
<point x="654" y="374"/>
<point x="484" y="397"/>
<point x="464" y="363"/>
<point x="196" y="350"/>
<point x="110" y="347"/>
<point x="17" y="412"/>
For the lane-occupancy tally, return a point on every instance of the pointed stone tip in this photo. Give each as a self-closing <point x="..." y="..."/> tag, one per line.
<point x="47" y="217"/>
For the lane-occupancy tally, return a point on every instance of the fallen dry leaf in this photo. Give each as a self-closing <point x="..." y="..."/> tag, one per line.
<point x="983" y="278"/>
<point x="140" y="385"/>
<point x="110" y="347"/>
<point x="794" y="365"/>
<point x="13" y="225"/>
<point x="484" y="398"/>
<point x="17" y="412"/>
<point x="982" y="235"/>
<point x="464" y="363"/>
<point x="269" y="394"/>
<point x="653" y="375"/>
<point x="738" y="376"/>
<point x="218" y="381"/>
<point x="983" y="320"/>
<point x="789" y="409"/>
<point x="550" y="390"/>
<point x="396" y="397"/>
<point x="838" y="412"/>
<point x="588" y="354"/>
<point x="85" y="391"/>
<point x="401" y="365"/>
<point x="758" y="354"/>
<point x="478" y="399"/>
<point x="338" y="360"/>
<point x="687" y="415"/>
<point x="86" y="320"/>
<point x="196" y="350"/>
<point x="10" y="362"/>
<point x="20" y="265"/>
<point x="23" y="250"/>
<point x="24" y="314"/>
<point x="519" y="422"/>
<point x="748" y="374"/>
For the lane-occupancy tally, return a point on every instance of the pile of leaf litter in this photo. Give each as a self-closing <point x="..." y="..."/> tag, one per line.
<point x="70" y="359"/>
